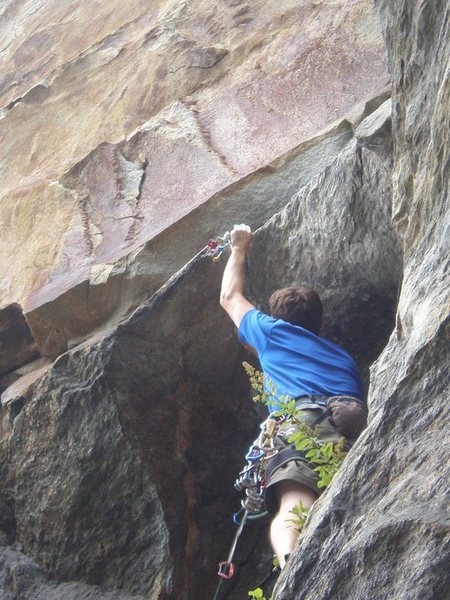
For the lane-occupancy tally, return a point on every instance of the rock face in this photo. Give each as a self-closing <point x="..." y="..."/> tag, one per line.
<point x="124" y="446"/>
<point x="382" y="530"/>
<point x="123" y="433"/>
<point x="127" y="118"/>
<point x="117" y="448"/>
<point x="17" y="345"/>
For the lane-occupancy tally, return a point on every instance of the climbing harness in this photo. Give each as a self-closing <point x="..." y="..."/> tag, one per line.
<point x="253" y="477"/>
<point x="252" y="480"/>
<point x="216" y="247"/>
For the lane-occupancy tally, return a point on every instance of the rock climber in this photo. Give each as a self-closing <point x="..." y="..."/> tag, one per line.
<point x="300" y="364"/>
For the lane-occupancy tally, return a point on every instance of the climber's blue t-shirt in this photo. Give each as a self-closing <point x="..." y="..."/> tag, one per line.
<point x="297" y="361"/>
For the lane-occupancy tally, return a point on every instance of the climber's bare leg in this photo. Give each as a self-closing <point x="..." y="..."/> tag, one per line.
<point x="283" y="534"/>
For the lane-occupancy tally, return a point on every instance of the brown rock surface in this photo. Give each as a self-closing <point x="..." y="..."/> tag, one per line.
<point x="382" y="530"/>
<point x="120" y="459"/>
<point x="144" y="114"/>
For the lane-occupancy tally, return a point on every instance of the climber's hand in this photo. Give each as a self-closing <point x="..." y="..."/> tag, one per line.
<point x="241" y="237"/>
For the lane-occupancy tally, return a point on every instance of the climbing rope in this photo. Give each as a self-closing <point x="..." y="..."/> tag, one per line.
<point x="251" y="479"/>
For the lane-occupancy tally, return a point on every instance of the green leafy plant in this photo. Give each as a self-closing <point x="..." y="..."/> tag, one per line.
<point x="266" y="391"/>
<point x="300" y="514"/>
<point x="326" y="456"/>
<point x="257" y="594"/>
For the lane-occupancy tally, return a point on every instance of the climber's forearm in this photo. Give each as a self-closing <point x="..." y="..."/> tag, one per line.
<point x="233" y="276"/>
<point x="232" y="297"/>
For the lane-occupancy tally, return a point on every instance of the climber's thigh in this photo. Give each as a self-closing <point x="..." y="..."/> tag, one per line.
<point x="289" y="494"/>
<point x="296" y="470"/>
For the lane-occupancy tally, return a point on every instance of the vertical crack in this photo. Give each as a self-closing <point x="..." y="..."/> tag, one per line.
<point x="135" y="202"/>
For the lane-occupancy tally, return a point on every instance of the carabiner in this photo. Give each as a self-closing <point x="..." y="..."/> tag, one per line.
<point x="226" y="569"/>
<point x="251" y="457"/>
<point x="236" y="516"/>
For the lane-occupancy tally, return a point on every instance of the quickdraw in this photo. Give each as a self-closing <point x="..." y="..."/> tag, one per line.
<point x="262" y="449"/>
<point x="251" y="479"/>
<point x="226" y="567"/>
<point x="216" y="247"/>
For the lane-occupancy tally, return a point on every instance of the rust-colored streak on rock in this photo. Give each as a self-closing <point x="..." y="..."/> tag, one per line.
<point x="140" y="114"/>
<point x="107" y="187"/>
<point x="60" y="32"/>
<point x="182" y="172"/>
<point x="307" y="76"/>
<point x="184" y="446"/>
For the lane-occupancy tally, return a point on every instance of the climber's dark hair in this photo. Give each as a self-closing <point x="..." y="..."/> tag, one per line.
<point x="298" y="306"/>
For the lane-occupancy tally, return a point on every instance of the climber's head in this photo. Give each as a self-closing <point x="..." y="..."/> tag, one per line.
<point x="298" y="306"/>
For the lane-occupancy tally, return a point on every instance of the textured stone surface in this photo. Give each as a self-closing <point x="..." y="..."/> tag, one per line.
<point x="21" y="578"/>
<point x="383" y="529"/>
<point x="117" y="459"/>
<point x="97" y="512"/>
<point x="115" y="454"/>
<point x="170" y="375"/>
<point x="108" y="291"/>
<point x="126" y="118"/>
<point x="17" y="344"/>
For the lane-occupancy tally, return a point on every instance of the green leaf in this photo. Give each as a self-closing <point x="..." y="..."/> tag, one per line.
<point x="328" y="449"/>
<point x="312" y="454"/>
<point x="302" y="444"/>
<point x="277" y="413"/>
<point x="258" y="593"/>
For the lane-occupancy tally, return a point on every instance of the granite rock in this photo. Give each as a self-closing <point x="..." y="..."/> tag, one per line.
<point x="126" y="118"/>
<point x="17" y="344"/>
<point x="162" y="398"/>
<point x="382" y="530"/>
<point x="21" y="578"/>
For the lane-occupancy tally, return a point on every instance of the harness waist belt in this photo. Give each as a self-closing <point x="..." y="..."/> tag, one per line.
<point x="311" y="401"/>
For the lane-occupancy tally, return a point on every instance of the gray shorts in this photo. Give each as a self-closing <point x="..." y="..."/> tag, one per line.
<point x="298" y="469"/>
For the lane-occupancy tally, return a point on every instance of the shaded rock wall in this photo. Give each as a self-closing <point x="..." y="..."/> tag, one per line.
<point x="162" y="400"/>
<point x="382" y="529"/>
<point x="146" y="430"/>
<point x="121" y="442"/>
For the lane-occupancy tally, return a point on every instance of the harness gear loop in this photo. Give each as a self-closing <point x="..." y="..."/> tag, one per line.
<point x="251" y="478"/>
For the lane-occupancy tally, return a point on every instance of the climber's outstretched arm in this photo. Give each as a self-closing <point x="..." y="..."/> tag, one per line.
<point x="232" y="297"/>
